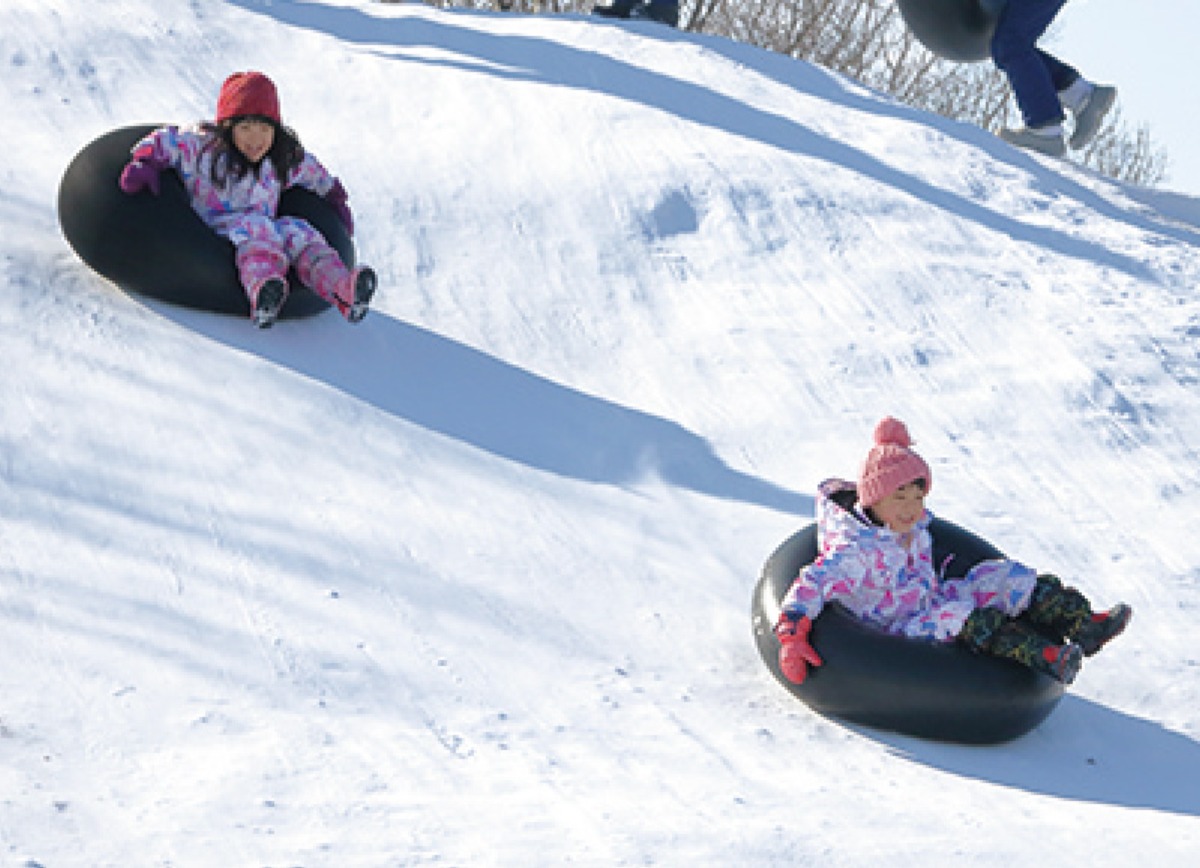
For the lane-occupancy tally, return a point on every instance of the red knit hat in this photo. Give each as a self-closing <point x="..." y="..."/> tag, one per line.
<point x="248" y="93"/>
<point x="891" y="464"/>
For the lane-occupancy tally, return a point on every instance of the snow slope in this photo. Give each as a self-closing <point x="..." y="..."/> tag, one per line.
<point x="468" y="584"/>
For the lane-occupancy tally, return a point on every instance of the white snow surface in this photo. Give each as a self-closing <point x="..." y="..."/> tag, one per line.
<point x="469" y="583"/>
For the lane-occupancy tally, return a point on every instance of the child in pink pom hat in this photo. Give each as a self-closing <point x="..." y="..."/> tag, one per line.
<point x="876" y="559"/>
<point x="891" y="464"/>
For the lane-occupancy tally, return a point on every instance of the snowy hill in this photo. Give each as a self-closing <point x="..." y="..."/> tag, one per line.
<point x="468" y="584"/>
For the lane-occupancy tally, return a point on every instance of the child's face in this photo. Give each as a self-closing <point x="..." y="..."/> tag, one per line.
<point x="253" y="138"/>
<point x="902" y="509"/>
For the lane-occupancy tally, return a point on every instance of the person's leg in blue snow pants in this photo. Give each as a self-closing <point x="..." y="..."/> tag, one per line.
<point x="1035" y="76"/>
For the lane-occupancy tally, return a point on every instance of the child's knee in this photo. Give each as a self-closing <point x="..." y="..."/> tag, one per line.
<point x="981" y="628"/>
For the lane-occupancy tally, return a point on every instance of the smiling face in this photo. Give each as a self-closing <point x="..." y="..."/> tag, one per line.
<point x="902" y="509"/>
<point x="253" y="138"/>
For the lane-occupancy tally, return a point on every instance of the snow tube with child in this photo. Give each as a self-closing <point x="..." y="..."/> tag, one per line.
<point x="158" y="246"/>
<point x="939" y="691"/>
<point x="958" y="30"/>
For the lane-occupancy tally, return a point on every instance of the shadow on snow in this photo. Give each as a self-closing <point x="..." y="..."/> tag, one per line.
<point x="463" y="393"/>
<point x="1086" y="752"/>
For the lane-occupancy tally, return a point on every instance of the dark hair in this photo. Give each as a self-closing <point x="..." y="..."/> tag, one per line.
<point x="286" y="151"/>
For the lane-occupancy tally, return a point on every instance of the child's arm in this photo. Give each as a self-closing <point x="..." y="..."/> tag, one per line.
<point x="164" y="148"/>
<point x="313" y="176"/>
<point x="834" y="575"/>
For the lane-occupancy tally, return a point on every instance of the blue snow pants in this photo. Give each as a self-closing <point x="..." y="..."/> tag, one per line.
<point x="1035" y="76"/>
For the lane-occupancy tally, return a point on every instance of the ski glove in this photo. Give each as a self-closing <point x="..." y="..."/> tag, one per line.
<point x="795" y="653"/>
<point x="142" y="171"/>
<point x="337" y="198"/>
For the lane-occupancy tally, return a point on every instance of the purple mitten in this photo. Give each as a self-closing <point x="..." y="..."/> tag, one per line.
<point x="337" y="198"/>
<point x="143" y="170"/>
<point x="139" y="175"/>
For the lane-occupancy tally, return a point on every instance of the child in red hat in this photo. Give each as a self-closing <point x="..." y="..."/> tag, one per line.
<point x="234" y="169"/>
<point x="876" y="559"/>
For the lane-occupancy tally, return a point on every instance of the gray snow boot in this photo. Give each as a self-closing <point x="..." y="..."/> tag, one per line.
<point x="1046" y="140"/>
<point x="1091" y="115"/>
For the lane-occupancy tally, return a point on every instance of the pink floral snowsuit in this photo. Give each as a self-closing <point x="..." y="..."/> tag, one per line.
<point x="244" y="211"/>
<point x="870" y="571"/>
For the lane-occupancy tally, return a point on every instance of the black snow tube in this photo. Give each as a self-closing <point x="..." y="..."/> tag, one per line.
<point x="954" y="29"/>
<point x="931" y="690"/>
<point x="158" y="246"/>
<point x="662" y="11"/>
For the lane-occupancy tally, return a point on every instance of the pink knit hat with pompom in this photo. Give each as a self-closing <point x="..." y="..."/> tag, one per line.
<point x="891" y="464"/>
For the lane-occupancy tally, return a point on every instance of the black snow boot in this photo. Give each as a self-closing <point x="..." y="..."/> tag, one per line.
<point x="1094" y="633"/>
<point x="1067" y="613"/>
<point x="268" y="302"/>
<point x="364" y="290"/>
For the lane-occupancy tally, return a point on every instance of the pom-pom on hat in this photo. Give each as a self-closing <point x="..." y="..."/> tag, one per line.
<point x="891" y="464"/>
<point x="248" y="93"/>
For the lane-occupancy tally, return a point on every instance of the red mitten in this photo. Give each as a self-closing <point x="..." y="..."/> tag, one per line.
<point x="795" y="653"/>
